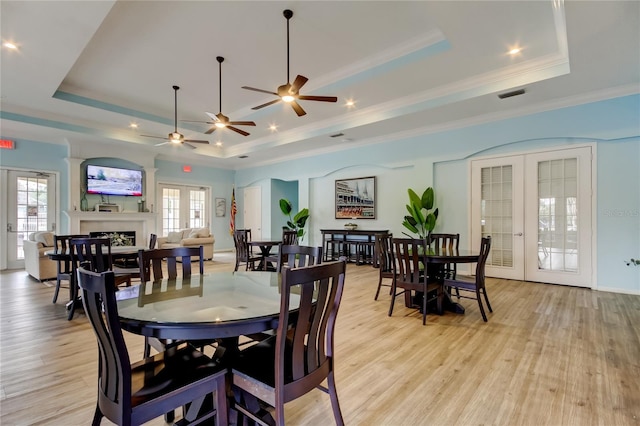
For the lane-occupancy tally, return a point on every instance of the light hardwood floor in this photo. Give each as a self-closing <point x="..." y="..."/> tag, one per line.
<point x="549" y="355"/>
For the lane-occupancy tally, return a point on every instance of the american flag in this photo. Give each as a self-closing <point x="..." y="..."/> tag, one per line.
<point x="234" y="210"/>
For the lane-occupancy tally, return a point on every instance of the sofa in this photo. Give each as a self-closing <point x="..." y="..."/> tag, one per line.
<point x="36" y="263"/>
<point x="190" y="237"/>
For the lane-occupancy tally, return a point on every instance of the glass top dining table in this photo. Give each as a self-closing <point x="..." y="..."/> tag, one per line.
<point x="210" y="306"/>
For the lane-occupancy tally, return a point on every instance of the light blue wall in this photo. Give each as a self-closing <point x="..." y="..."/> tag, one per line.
<point x="281" y="189"/>
<point x="441" y="159"/>
<point x="38" y="156"/>
<point x="221" y="183"/>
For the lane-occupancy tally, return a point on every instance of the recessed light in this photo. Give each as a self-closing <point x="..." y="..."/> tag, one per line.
<point x="515" y="51"/>
<point x="133" y="125"/>
<point x="219" y="143"/>
<point x="10" y="45"/>
<point x="350" y="103"/>
<point x="273" y="127"/>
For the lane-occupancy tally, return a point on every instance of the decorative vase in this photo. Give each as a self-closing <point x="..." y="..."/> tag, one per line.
<point x="84" y="205"/>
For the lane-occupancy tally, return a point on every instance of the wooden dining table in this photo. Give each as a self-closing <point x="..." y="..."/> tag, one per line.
<point x="434" y="259"/>
<point x="74" y="299"/>
<point x="216" y="305"/>
<point x="265" y="247"/>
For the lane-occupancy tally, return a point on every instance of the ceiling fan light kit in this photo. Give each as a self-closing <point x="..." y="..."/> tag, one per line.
<point x="290" y="93"/>
<point x="175" y="136"/>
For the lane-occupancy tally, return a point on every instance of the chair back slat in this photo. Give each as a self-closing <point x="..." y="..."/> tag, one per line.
<point x="96" y="251"/>
<point x="289" y="237"/>
<point x="485" y="246"/>
<point x="407" y="250"/>
<point x="385" y="253"/>
<point x="295" y="256"/>
<point x="309" y="344"/>
<point x="151" y="262"/>
<point x="98" y="293"/>
<point x="241" y="240"/>
<point x="153" y="240"/>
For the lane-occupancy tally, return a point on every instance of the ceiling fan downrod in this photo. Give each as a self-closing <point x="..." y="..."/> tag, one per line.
<point x="287" y="14"/>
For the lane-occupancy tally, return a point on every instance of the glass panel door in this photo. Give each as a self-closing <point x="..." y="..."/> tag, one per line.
<point x="184" y="207"/>
<point x="30" y="208"/>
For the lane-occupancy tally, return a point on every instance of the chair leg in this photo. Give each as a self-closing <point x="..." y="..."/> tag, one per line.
<point x="333" y="395"/>
<point x="484" y="316"/>
<point x="393" y="297"/>
<point x="222" y="414"/>
<point x="55" y="292"/>
<point x="424" y="306"/>
<point x="486" y="299"/>
<point x="377" y="291"/>
<point x="97" y="417"/>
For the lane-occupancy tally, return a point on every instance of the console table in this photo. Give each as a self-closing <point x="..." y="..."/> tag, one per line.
<point x="357" y="245"/>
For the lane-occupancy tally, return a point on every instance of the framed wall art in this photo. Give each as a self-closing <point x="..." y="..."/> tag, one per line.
<point x="221" y="207"/>
<point x="356" y="198"/>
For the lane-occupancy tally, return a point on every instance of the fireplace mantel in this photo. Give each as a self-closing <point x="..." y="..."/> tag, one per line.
<point x="84" y="222"/>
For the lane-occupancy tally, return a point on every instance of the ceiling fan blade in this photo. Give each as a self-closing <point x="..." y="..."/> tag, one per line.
<point x="163" y="143"/>
<point x="300" y="81"/>
<point x="211" y="130"/>
<point x="318" y="98"/>
<point x="259" y="90"/>
<point x="152" y="136"/>
<point x="235" y="129"/>
<point x="213" y="117"/>
<point x="298" y="109"/>
<point x="195" y="121"/>
<point x="242" y="123"/>
<point x="267" y="104"/>
<point x="189" y="145"/>
<point x="195" y="141"/>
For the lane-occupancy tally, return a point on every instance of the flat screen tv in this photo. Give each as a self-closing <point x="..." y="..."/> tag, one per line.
<point x="113" y="181"/>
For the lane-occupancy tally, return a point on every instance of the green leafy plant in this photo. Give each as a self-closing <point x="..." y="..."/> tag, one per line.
<point x="298" y="221"/>
<point x="634" y="262"/>
<point x="422" y="216"/>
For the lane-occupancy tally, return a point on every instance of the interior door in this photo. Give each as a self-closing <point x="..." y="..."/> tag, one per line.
<point x="252" y="211"/>
<point x="184" y="207"/>
<point x="31" y="206"/>
<point x="537" y="209"/>
<point x="497" y="211"/>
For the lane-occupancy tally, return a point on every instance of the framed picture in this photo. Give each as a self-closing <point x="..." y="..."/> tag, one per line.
<point x="356" y="198"/>
<point x="221" y="207"/>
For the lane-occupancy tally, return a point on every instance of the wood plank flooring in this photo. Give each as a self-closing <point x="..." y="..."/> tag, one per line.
<point x="549" y="355"/>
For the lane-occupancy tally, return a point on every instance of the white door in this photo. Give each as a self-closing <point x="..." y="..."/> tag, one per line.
<point x="31" y="206"/>
<point x="184" y="207"/>
<point x="537" y="209"/>
<point x="497" y="210"/>
<point x="252" y="211"/>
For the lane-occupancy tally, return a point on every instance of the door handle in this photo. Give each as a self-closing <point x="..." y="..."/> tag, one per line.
<point x="519" y="234"/>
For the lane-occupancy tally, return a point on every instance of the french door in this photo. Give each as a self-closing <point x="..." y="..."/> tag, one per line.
<point x="184" y="207"/>
<point x="537" y="209"/>
<point x="30" y="207"/>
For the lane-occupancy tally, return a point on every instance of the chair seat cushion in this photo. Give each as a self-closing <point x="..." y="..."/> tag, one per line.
<point x="170" y="370"/>
<point x="257" y="361"/>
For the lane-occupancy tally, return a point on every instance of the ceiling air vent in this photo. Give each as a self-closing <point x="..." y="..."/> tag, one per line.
<point x="337" y="135"/>
<point x="511" y="94"/>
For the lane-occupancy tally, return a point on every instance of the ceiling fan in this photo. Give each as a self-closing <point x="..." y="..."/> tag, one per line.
<point x="175" y="137"/>
<point x="220" y="121"/>
<point x="289" y="93"/>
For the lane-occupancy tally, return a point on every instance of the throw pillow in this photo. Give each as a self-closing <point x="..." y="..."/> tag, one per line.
<point x="46" y="238"/>
<point x="174" y="237"/>
<point x="199" y="233"/>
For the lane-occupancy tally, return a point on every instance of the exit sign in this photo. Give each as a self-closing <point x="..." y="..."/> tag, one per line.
<point x="7" y="144"/>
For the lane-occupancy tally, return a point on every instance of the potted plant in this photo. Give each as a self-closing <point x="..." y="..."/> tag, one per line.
<point x="297" y="222"/>
<point x="422" y="216"/>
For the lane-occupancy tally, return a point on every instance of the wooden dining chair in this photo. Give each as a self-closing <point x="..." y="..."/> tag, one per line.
<point x="244" y="254"/>
<point x="450" y="243"/>
<point x="289" y="237"/>
<point x="475" y="284"/>
<point x="301" y="355"/>
<point x="132" y="394"/>
<point x="152" y="264"/>
<point x="132" y="266"/>
<point x="65" y="267"/>
<point x="97" y="251"/>
<point x="385" y="260"/>
<point x="296" y="256"/>
<point x="412" y="275"/>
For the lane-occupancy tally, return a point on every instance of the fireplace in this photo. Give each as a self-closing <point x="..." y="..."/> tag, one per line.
<point x="140" y="224"/>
